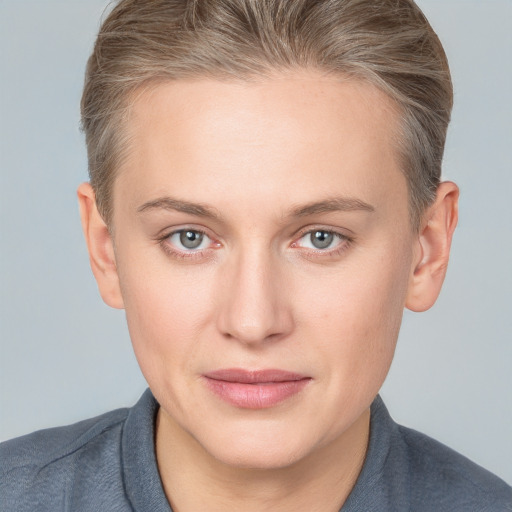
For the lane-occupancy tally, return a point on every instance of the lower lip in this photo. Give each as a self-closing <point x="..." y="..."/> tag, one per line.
<point x="258" y="395"/>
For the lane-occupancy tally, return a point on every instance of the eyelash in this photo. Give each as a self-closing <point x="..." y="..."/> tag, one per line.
<point x="182" y="255"/>
<point x="344" y="243"/>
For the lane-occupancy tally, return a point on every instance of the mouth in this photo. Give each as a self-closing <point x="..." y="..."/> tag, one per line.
<point x="259" y="389"/>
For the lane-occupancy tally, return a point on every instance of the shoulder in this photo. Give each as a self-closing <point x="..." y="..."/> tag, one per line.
<point x="46" y="446"/>
<point x="45" y="462"/>
<point x="405" y="470"/>
<point x="448" y="478"/>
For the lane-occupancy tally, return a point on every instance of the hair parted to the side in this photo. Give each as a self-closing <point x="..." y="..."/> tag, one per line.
<point x="388" y="43"/>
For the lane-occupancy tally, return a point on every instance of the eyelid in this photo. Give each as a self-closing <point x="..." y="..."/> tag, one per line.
<point x="171" y="230"/>
<point x="345" y="241"/>
<point x="165" y="234"/>
<point x="342" y="233"/>
<point x="340" y="237"/>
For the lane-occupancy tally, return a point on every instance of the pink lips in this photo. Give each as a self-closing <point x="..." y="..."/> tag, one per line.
<point x="255" y="389"/>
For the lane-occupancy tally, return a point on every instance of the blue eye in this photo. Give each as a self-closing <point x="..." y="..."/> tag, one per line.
<point x="189" y="240"/>
<point x="320" y="239"/>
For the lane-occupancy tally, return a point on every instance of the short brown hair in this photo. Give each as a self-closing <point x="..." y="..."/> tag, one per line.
<point x="385" y="42"/>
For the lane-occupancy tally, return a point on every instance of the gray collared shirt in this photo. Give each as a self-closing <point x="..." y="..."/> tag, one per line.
<point x="108" y="463"/>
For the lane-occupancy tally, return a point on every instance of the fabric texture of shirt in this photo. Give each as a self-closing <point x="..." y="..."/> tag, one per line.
<point x="108" y="463"/>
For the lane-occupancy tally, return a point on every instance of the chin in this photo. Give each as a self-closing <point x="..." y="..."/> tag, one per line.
<point x="262" y="458"/>
<point x="253" y="449"/>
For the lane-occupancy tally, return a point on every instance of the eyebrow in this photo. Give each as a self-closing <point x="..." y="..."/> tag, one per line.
<point x="344" y="204"/>
<point x="168" y="203"/>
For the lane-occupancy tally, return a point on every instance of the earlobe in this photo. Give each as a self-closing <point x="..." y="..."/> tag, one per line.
<point x="100" y="247"/>
<point x="434" y="241"/>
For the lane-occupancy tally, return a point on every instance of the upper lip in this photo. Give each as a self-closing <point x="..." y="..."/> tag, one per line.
<point x="254" y="376"/>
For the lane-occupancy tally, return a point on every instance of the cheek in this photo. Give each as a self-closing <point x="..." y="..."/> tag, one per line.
<point x="165" y="310"/>
<point x="356" y="318"/>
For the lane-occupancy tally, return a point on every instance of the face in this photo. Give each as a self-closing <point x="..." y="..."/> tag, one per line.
<point x="264" y="252"/>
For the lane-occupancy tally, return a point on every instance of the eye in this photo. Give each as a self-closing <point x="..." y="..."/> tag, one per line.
<point x="320" y="239"/>
<point x="189" y="240"/>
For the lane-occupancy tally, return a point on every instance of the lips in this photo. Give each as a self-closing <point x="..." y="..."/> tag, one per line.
<point x="255" y="389"/>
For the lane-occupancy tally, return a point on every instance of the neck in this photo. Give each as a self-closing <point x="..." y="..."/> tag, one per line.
<point x="321" y="481"/>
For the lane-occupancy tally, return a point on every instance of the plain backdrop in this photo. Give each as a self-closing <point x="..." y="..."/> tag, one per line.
<point x="66" y="356"/>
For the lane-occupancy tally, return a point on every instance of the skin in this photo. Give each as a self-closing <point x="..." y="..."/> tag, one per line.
<point x="263" y="165"/>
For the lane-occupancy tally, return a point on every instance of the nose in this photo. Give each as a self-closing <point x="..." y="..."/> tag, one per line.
<point x="254" y="306"/>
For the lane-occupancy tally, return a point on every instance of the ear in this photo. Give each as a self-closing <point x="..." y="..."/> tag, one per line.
<point x="434" y="242"/>
<point x="100" y="246"/>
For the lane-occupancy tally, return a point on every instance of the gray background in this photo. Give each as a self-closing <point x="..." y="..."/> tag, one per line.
<point x="66" y="356"/>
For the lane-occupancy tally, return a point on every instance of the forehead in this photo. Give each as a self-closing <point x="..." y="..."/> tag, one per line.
<point x="300" y="133"/>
